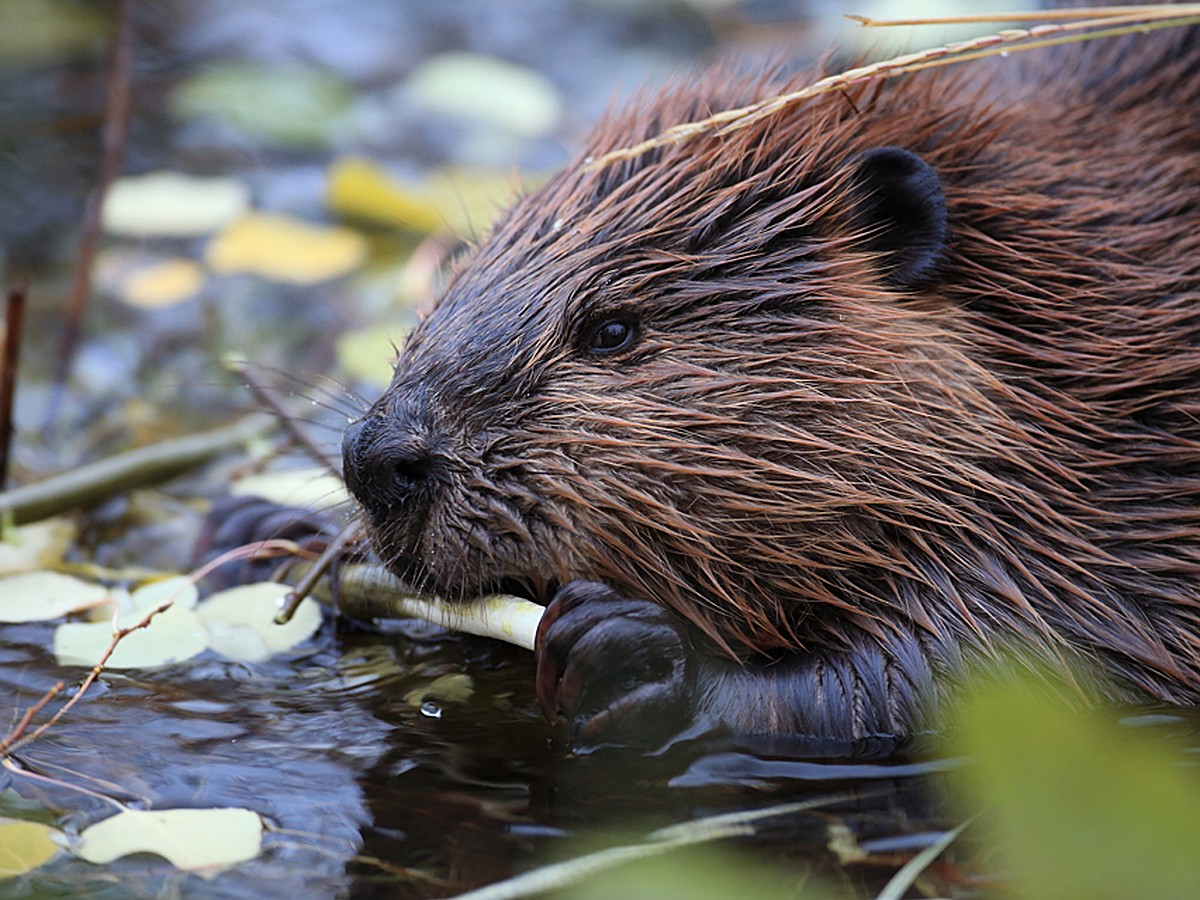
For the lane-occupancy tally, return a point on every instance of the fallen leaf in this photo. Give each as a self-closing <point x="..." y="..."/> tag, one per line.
<point x="297" y="105"/>
<point x="313" y="487"/>
<point x="25" y="845"/>
<point x="241" y="621"/>
<point x="162" y="284"/>
<point x="456" y="687"/>
<point x="503" y="95"/>
<point x="285" y="249"/>
<point x="38" y="596"/>
<point x="172" y="636"/>
<point x="36" y="545"/>
<point x="171" y="204"/>
<point x="368" y="354"/>
<point x="189" y="839"/>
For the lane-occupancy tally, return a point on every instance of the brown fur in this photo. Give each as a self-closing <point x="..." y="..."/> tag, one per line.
<point x="798" y="456"/>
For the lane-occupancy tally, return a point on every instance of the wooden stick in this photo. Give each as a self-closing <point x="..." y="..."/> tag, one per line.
<point x="14" y="320"/>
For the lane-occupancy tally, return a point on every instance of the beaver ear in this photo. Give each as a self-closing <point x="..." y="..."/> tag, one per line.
<point x="901" y="206"/>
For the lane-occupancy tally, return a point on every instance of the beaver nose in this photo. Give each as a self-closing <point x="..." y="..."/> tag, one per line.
<point x="385" y="461"/>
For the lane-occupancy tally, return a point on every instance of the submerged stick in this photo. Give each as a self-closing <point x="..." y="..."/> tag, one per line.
<point x="135" y="468"/>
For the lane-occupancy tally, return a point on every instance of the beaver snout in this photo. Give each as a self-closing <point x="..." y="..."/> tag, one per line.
<point x="387" y="462"/>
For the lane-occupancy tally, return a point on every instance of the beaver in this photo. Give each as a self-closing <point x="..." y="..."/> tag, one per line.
<point x="790" y="425"/>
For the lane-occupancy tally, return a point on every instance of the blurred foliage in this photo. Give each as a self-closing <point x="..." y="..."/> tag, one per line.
<point x="1077" y="804"/>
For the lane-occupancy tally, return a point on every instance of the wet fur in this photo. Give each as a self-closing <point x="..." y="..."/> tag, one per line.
<point x="799" y="456"/>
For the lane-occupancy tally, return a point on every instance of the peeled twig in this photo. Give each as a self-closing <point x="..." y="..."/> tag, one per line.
<point x="136" y="468"/>
<point x="1008" y="41"/>
<point x="367" y="591"/>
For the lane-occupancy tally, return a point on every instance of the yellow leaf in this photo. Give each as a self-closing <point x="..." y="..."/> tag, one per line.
<point x="162" y="284"/>
<point x="188" y="838"/>
<point x="360" y="189"/>
<point x="24" y="846"/>
<point x="284" y="249"/>
<point x="368" y="354"/>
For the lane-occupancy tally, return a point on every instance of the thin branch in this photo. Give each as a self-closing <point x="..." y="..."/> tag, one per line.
<point x="1004" y="42"/>
<point x="116" y="127"/>
<point x="135" y="468"/>
<point x="14" y="323"/>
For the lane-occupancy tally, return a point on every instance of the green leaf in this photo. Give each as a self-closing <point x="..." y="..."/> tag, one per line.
<point x="171" y="204"/>
<point x="1078" y="805"/>
<point x="294" y="105"/>
<point x="189" y="839"/>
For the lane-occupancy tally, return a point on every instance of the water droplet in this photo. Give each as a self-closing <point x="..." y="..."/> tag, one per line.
<point x="431" y="710"/>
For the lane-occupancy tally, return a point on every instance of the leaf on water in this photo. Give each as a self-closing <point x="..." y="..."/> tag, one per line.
<point x="368" y="354"/>
<point x="36" y="545"/>
<point x="37" y="32"/>
<point x="457" y="687"/>
<point x="360" y="189"/>
<point x="503" y="95"/>
<point x="294" y="104"/>
<point x="241" y="621"/>
<point x="171" y="204"/>
<point x="162" y="283"/>
<point x="459" y="200"/>
<point x="285" y="249"/>
<point x="313" y="487"/>
<point x="173" y="635"/>
<point x="26" y="845"/>
<point x="189" y="839"/>
<point x="38" y="596"/>
<point x="177" y="589"/>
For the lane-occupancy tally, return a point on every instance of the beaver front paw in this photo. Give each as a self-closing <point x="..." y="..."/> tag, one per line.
<point x="616" y="668"/>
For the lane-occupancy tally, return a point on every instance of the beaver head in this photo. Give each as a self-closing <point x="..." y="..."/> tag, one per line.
<point x="778" y="380"/>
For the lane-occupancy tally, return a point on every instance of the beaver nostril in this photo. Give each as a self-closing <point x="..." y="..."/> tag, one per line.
<point x="412" y="464"/>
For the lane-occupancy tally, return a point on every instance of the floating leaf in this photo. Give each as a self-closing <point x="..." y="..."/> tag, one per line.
<point x="189" y="839"/>
<point x="35" y="545"/>
<point x="241" y="621"/>
<point x="162" y="284"/>
<point x="295" y="105"/>
<point x="358" y="188"/>
<point x="172" y="636"/>
<point x="45" y="31"/>
<point x="455" y="687"/>
<point x="503" y="95"/>
<point x="178" y="589"/>
<point x="367" y="354"/>
<point x="285" y="249"/>
<point x="170" y="204"/>
<point x="38" y="596"/>
<point x="25" y="845"/>
<point x="313" y="487"/>
<point x="460" y="200"/>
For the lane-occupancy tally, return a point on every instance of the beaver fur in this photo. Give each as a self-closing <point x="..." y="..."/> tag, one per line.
<point x="794" y="422"/>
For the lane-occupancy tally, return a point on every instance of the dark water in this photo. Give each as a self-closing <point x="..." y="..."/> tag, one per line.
<point x="372" y="786"/>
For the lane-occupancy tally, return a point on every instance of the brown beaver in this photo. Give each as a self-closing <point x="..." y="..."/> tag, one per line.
<point x="790" y="424"/>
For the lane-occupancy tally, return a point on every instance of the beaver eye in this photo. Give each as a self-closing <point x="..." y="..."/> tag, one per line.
<point x="612" y="335"/>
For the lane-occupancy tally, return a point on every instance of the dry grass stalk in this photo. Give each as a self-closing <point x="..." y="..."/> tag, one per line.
<point x="1101" y="22"/>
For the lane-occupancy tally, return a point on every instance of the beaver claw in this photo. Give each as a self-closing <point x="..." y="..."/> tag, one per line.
<point x="616" y="668"/>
